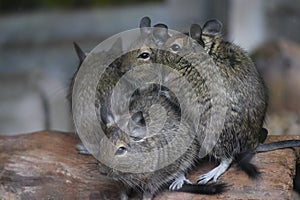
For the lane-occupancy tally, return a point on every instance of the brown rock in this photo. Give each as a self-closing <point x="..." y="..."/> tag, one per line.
<point x="45" y="165"/>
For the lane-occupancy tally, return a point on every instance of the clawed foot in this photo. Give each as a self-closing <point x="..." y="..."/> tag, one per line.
<point x="205" y="178"/>
<point x="178" y="183"/>
<point x="215" y="173"/>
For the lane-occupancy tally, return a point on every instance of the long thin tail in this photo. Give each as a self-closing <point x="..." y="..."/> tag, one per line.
<point x="277" y="145"/>
<point x="212" y="188"/>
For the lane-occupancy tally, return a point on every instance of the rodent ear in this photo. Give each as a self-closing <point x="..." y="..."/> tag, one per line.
<point x="117" y="47"/>
<point x="160" y="25"/>
<point x="212" y="27"/>
<point x="138" y="118"/>
<point x="106" y="117"/>
<point x="196" y="33"/>
<point x="139" y="130"/>
<point x="145" y="23"/>
<point x="160" y="32"/>
<point x="81" y="55"/>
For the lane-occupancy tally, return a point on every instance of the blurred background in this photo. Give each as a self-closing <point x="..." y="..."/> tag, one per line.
<point x="37" y="58"/>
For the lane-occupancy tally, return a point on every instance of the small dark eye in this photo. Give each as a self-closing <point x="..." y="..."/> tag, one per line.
<point x="144" y="55"/>
<point x="121" y="150"/>
<point x="175" y="47"/>
<point x="136" y="139"/>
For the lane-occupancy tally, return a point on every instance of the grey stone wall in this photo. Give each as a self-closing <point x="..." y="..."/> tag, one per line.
<point x="42" y="41"/>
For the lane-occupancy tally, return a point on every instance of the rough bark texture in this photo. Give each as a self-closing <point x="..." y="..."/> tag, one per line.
<point x="45" y="165"/>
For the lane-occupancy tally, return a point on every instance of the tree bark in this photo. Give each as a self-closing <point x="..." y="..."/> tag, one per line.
<point x="45" y="165"/>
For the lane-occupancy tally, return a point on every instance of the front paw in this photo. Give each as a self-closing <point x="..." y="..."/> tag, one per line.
<point x="82" y="150"/>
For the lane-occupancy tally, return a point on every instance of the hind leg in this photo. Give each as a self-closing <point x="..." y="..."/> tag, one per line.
<point x="216" y="172"/>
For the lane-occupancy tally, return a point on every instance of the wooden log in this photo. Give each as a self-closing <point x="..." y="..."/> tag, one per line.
<point x="45" y="165"/>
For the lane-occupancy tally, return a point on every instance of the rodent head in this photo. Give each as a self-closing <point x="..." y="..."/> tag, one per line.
<point x="120" y="145"/>
<point x="142" y="50"/>
<point x="181" y="42"/>
<point x="115" y="135"/>
<point x="179" y="46"/>
<point x="136" y="141"/>
<point x="211" y="31"/>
